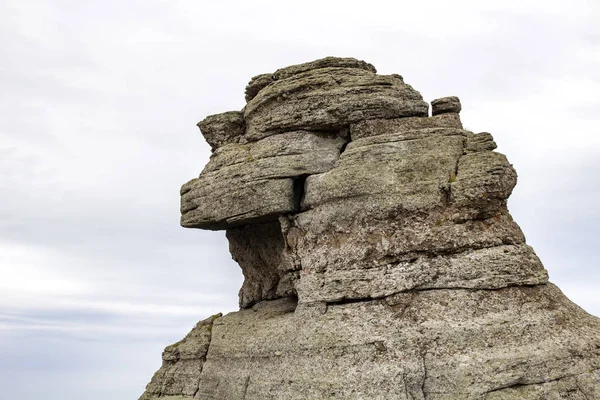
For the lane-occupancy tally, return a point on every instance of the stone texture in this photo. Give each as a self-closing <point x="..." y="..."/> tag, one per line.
<point x="221" y="129"/>
<point x="479" y="142"/>
<point x="329" y="98"/>
<point x="379" y="256"/>
<point x="225" y="204"/>
<point x="369" y="277"/>
<point x="483" y="180"/>
<point x="413" y="170"/>
<point x="182" y="364"/>
<point x="256" y="84"/>
<point x="403" y="125"/>
<point x="327" y="62"/>
<point x="254" y="182"/>
<point x="511" y="343"/>
<point x="268" y="267"/>
<point x="445" y="105"/>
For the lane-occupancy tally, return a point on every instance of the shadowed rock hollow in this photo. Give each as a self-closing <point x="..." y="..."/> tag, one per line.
<point x="379" y="256"/>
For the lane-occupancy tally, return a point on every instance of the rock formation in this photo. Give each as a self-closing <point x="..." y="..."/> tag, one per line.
<point x="379" y="256"/>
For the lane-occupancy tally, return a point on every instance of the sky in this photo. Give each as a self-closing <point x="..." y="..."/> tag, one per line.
<point x="99" y="105"/>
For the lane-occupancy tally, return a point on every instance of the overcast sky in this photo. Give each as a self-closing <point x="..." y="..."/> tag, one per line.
<point x="99" y="105"/>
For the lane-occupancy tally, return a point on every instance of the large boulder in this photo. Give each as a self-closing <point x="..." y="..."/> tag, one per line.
<point x="380" y="260"/>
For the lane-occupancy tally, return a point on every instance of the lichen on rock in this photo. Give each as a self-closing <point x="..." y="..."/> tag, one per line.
<point x="380" y="260"/>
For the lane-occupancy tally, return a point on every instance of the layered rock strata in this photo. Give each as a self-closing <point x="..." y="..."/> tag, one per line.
<point x="379" y="256"/>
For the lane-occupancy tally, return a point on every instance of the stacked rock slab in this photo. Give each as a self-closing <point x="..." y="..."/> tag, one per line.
<point x="379" y="256"/>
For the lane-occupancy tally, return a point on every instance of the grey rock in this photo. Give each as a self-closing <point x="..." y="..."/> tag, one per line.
<point x="269" y="269"/>
<point x="222" y="206"/>
<point x="329" y="99"/>
<point x="403" y="125"/>
<point x="371" y="277"/>
<point x="485" y="180"/>
<point x="221" y="129"/>
<point x="479" y="142"/>
<point x="182" y="364"/>
<point x="444" y="105"/>
<point x="356" y="256"/>
<point x="412" y="169"/>
<point x="254" y="182"/>
<point x="432" y="344"/>
<point x="327" y="62"/>
<point x="379" y="256"/>
<point x="257" y="83"/>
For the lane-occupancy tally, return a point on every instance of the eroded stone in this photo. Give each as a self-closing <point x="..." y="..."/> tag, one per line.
<point x="222" y="129"/>
<point x="444" y="105"/>
<point x="255" y="182"/>
<point x="379" y="256"/>
<point x="182" y="364"/>
<point x="329" y="98"/>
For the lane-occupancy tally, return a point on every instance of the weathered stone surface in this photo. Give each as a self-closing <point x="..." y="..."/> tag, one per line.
<point x="434" y="344"/>
<point x="400" y="200"/>
<point x="379" y="256"/>
<point x="369" y="277"/>
<point x="403" y="125"/>
<point x="449" y="104"/>
<point x="269" y="270"/>
<point x="412" y="169"/>
<point x="327" y="62"/>
<point x="256" y="84"/>
<point x="408" y="250"/>
<point x="221" y="129"/>
<point x="182" y="364"/>
<point x="224" y="205"/>
<point x="329" y="98"/>
<point x="485" y="180"/>
<point x="479" y="142"/>
<point x="250" y="182"/>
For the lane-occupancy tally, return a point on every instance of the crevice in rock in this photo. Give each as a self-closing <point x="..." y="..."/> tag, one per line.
<point x="343" y="148"/>
<point x="516" y="385"/>
<point x="366" y="299"/>
<point x="528" y="285"/>
<point x="353" y="300"/>
<point x="425" y="394"/>
<point x="519" y="383"/>
<point x="246" y="384"/>
<point x="447" y="188"/>
<point x="298" y="187"/>
<point x="345" y="134"/>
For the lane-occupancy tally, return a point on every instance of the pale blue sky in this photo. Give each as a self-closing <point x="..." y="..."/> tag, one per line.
<point x="99" y="105"/>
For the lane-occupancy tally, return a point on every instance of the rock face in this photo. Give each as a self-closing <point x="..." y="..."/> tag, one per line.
<point x="379" y="256"/>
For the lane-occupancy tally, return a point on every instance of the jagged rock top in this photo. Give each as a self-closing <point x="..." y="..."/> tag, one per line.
<point x="261" y="81"/>
<point x="320" y="99"/>
<point x="327" y="62"/>
<point x="331" y="149"/>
